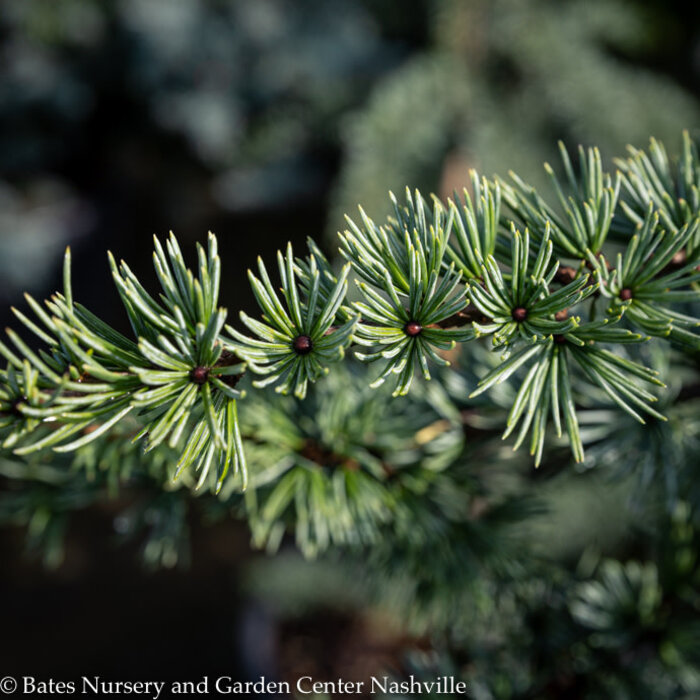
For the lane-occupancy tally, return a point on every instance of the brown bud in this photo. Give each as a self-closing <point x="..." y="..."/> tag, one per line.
<point x="302" y="345"/>
<point x="412" y="329"/>
<point x="519" y="314"/>
<point x="199" y="375"/>
<point x="565" y="274"/>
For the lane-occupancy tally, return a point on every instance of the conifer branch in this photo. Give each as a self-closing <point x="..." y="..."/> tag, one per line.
<point x="430" y="277"/>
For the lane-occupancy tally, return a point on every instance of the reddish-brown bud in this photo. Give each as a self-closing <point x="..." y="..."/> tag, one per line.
<point x="199" y="375"/>
<point x="519" y="314"/>
<point x="412" y="329"/>
<point x="302" y="345"/>
<point x="565" y="274"/>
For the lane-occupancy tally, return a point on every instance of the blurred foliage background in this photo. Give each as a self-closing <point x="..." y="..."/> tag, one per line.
<point x="265" y="122"/>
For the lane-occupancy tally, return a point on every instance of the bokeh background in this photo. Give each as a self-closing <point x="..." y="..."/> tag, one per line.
<point x="265" y="121"/>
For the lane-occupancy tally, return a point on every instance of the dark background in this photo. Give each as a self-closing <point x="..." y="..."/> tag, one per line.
<point x="264" y="121"/>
